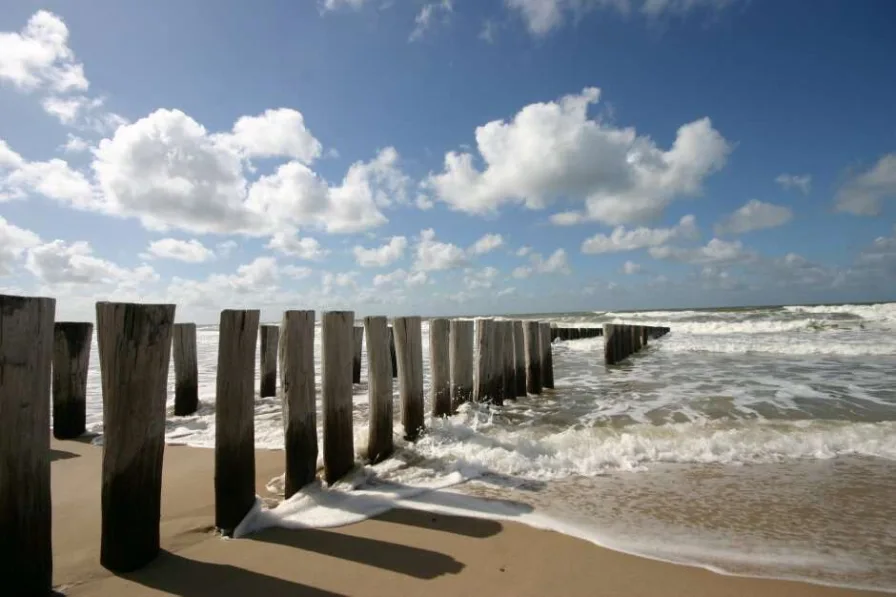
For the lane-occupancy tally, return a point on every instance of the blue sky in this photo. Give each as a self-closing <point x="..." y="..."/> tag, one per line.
<point x="450" y="157"/>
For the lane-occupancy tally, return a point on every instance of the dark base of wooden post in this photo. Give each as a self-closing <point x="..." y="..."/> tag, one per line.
<point x="186" y="399"/>
<point x="69" y="419"/>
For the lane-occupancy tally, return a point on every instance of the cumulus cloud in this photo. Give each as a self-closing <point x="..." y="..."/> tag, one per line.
<point x="714" y="252"/>
<point x="555" y="264"/>
<point x="400" y="276"/>
<point x="75" y="144"/>
<point x="14" y="241"/>
<point x="623" y="239"/>
<point x="289" y="243"/>
<point x="62" y="263"/>
<point x="486" y="244"/>
<point x="553" y="150"/>
<point x="802" y="183"/>
<point x="279" y="133"/>
<point x="256" y="280"/>
<point x="864" y="193"/>
<point x="428" y="15"/>
<point x="480" y="279"/>
<point x="543" y="16"/>
<point x="433" y="255"/>
<point x="38" y="57"/>
<point x="383" y="255"/>
<point x="754" y="215"/>
<point x="189" y="251"/>
<point x="53" y="179"/>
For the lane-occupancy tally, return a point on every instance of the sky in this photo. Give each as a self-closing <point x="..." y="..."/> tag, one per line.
<point x="442" y="157"/>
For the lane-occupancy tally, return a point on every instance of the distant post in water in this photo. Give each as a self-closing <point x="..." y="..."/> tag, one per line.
<point x="186" y="370"/>
<point x="26" y="353"/>
<point x="135" y="350"/>
<point x="71" y="359"/>
<point x="461" y="361"/>
<point x="409" y="350"/>
<point x="336" y="372"/>
<point x="547" y="360"/>
<point x="357" y="347"/>
<point x="235" y="418"/>
<point x="392" y="352"/>
<point x="296" y="353"/>
<point x="508" y="361"/>
<point x="610" y="356"/>
<point x="440" y="367"/>
<point x="519" y="358"/>
<point x="531" y="335"/>
<point x="270" y="336"/>
<point x="379" y="389"/>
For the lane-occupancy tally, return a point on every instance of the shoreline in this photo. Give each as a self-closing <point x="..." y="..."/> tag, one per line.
<point x="404" y="550"/>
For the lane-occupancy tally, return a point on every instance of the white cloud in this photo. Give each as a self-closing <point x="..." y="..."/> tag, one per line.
<point x="433" y="255"/>
<point x="523" y="251"/>
<point x="715" y="251"/>
<point x="424" y="203"/>
<point x="296" y="272"/>
<point x="333" y="280"/>
<point x="553" y="150"/>
<point x="631" y="268"/>
<point x="480" y="279"/>
<point x="863" y="194"/>
<point x="486" y="244"/>
<point x="754" y="215"/>
<point x="14" y="241"/>
<point x="622" y="239"/>
<point x="803" y="183"/>
<point x="38" y="57"/>
<point x="62" y="263"/>
<point x="275" y="133"/>
<point x="189" y="251"/>
<point x="226" y="247"/>
<point x="544" y="16"/>
<point x="381" y="256"/>
<point x="288" y="243"/>
<point x="427" y="14"/>
<point x="506" y="291"/>
<point x="53" y="179"/>
<point x="75" y="144"/>
<point x="555" y="264"/>
<point x="254" y="281"/>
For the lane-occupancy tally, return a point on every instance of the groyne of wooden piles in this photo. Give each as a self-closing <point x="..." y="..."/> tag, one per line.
<point x="622" y="340"/>
<point x="487" y="360"/>
<point x="567" y="333"/>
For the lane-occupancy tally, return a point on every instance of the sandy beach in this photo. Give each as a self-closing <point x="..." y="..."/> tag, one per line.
<point x="401" y="552"/>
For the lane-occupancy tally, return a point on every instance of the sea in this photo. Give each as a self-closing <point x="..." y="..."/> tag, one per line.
<point x="748" y="441"/>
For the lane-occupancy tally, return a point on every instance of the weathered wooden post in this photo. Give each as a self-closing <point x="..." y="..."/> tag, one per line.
<point x="610" y="347"/>
<point x="235" y="418"/>
<point x="298" y="394"/>
<point x="270" y="337"/>
<point x="440" y="367"/>
<point x="547" y="359"/>
<point x="379" y="389"/>
<point x="461" y="361"/>
<point x="409" y="350"/>
<point x="484" y="381"/>
<point x="336" y="375"/>
<point x="71" y="359"/>
<point x="532" y="335"/>
<point x="508" y="352"/>
<point x="392" y="352"/>
<point x="135" y="350"/>
<point x="519" y="358"/>
<point x="186" y="369"/>
<point x="357" y="347"/>
<point x="645" y="333"/>
<point x="496" y="360"/>
<point x="26" y="353"/>
<point x="636" y="338"/>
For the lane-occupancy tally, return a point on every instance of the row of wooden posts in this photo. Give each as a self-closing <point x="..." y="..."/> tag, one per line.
<point x="621" y="341"/>
<point x="135" y="343"/>
<point x="558" y="333"/>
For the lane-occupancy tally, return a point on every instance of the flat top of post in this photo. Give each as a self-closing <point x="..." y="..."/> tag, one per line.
<point x="352" y="313"/>
<point x="126" y="304"/>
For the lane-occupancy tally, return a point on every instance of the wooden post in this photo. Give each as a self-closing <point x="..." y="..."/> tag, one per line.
<point x="26" y="353"/>
<point x="508" y="364"/>
<point x="547" y="360"/>
<point x="186" y="370"/>
<point x="636" y="337"/>
<point x="409" y="350"/>
<point x="357" y="347"/>
<point x="461" y="361"/>
<point x="336" y="373"/>
<point x="135" y="350"/>
<point x="270" y="336"/>
<point x="531" y="335"/>
<point x="484" y="381"/>
<point x="298" y="394"/>
<point x="610" y="353"/>
<point x="379" y="389"/>
<point x="392" y="352"/>
<point x="71" y="359"/>
<point x="644" y="336"/>
<point x="496" y="362"/>
<point x="235" y="418"/>
<point x="519" y="358"/>
<point x="440" y="367"/>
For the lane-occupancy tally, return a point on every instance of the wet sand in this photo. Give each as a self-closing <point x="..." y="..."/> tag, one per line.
<point x="401" y="552"/>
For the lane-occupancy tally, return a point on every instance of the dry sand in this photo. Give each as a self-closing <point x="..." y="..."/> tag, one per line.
<point x="403" y="552"/>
